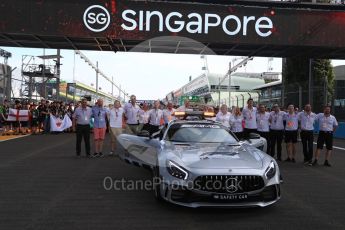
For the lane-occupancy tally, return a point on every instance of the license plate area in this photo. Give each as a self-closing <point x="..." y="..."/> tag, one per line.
<point x="231" y="197"/>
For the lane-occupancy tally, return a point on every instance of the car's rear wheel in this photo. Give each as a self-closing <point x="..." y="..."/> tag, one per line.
<point x="157" y="183"/>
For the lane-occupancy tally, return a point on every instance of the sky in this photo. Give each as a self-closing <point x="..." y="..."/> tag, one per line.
<point x="147" y="75"/>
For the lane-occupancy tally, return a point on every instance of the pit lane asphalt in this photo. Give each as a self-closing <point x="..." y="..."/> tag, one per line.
<point x="43" y="186"/>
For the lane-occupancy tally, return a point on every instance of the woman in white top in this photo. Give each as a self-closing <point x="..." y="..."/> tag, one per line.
<point x="116" y="118"/>
<point x="223" y="116"/>
<point x="236" y="123"/>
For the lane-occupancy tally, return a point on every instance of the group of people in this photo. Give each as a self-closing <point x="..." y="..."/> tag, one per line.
<point x="275" y="125"/>
<point x="130" y="118"/>
<point x="278" y="125"/>
<point x="37" y="120"/>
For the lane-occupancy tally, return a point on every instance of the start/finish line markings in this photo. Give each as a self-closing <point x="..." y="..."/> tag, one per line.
<point x="12" y="137"/>
<point x="335" y="147"/>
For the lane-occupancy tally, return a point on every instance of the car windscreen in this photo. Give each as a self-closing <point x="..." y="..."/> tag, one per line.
<point x="201" y="133"/>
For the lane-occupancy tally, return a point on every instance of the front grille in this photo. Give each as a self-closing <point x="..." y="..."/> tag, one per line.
<point x="228" y="183"/>
<point x="181" y="194"/>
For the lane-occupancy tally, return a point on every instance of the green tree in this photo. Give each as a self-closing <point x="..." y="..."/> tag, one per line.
<point x="296" y="74"/>
<point x="323" y="76"/>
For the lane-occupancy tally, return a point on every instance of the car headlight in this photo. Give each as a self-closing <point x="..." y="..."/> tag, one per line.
<point x="270" y="171"/>
<point x="176" y="171"/>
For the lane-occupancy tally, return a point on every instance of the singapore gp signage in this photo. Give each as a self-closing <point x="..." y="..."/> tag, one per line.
<point x="97" y="19"/>
<point x="195" y="23"/>
<point x="219" y="25"/>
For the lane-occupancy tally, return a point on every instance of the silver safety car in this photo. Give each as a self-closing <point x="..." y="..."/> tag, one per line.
<point x="199" y="162"/>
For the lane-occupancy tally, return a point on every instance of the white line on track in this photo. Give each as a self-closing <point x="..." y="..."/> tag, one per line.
<point x="335" y="147"/>
<point x="15" y="137"/>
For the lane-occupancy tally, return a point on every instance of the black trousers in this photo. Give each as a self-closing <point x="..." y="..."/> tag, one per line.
<point x="246" y="132"/>
<point x="153" y="129"/>
<point x="239" y="135"/>
<point x="83" y="131"/>
<point x="276" y="137"/>
<point x="266" y="135"/>
<point x="307" y="138"/>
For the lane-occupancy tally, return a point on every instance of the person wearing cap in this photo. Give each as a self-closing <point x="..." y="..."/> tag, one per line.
<point x="263" y="124"/>
<point x="307" y="120"/>
<point x="223" y="116"/>
<point x="276" y="131"/>
<point x="249" y="115"/>
<point x="131" y="110"/>
<point x="327" y="126"/>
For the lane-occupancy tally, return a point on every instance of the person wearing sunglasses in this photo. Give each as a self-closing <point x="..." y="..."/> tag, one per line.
<point x="116" y="118"/>
<point x="100" y="116"/>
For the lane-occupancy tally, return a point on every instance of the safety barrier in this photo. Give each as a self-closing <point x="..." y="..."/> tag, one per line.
<point x="340" y="133"/>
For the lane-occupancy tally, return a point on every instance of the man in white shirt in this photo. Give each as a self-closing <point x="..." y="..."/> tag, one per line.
<point x="276" y="131"/>
<point x="249" y="115"/>
<point x="131" y="111"/>
<point x="263" y="124"/>
<point x="155" y="117"/>
<point x="307" y="119"/>
<point x="291" y="131"/>
<point x="327" y="126"/>
<point x="185" y="107"/>
<point x="144" y="118"/>
<point x="223" y="116"/>
<point x="168" y="113"/>
<point x="116" y="117"/>
<point x="81" y="125"/>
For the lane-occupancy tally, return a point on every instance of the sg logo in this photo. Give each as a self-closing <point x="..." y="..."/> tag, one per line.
<point x="96" y="18"/>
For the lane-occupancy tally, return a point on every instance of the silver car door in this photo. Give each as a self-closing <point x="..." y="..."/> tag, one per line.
<point x="140" y="151"/>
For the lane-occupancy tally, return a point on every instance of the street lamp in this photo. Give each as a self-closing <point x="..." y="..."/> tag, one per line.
<point x="231" y="70"/>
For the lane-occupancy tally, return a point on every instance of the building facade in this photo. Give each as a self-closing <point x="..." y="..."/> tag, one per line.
<point x="215" y="90"/>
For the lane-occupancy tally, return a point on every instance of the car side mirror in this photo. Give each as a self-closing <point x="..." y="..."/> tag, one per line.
<point x="254" y="136"/>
